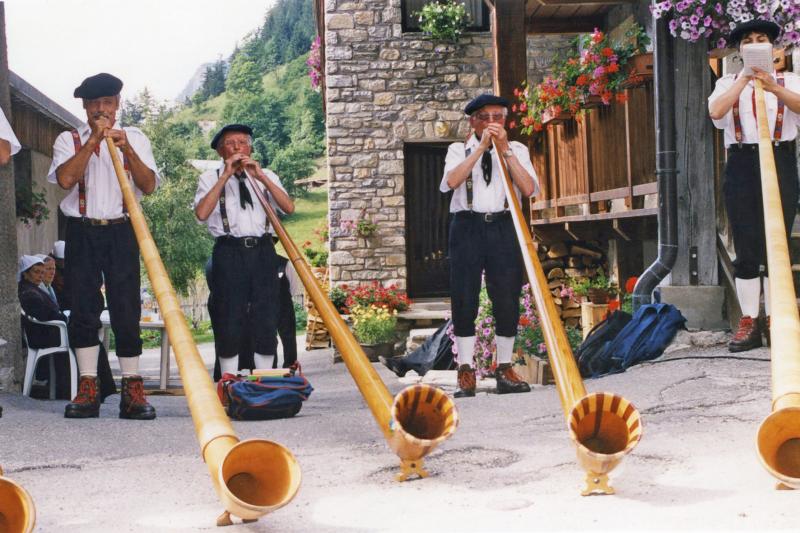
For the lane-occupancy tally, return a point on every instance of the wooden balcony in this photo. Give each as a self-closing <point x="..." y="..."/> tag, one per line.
<point x="599" y="168"/>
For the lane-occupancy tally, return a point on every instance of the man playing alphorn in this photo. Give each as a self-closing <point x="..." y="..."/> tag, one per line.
<point x="244" y="277"/>
<point x="482" y="237"/>
<point x="101" y="247"/>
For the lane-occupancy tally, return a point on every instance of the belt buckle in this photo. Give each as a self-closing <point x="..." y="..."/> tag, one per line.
<point x="488" y="217"/>
<point x="250" y="242"/>
<point x="100" y="222"/>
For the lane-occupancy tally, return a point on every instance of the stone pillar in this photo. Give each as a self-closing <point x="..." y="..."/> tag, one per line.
<point x="11" y="360"/>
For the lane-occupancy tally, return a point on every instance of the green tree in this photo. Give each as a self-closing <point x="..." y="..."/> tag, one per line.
<point x="293" y="163"/>
<point x="244" y="76"/>
<point x="184" y="245"/>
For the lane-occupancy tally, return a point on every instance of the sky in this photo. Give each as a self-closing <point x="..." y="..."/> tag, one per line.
<point x="158" y="44"/>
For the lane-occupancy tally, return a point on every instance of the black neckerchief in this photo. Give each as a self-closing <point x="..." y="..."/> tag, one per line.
<point x="486" y="163"/>
<point x="244" y="193"/>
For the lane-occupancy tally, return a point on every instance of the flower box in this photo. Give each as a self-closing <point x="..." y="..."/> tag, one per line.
<point x="549" y="116"/>
<point x="381" y="349"/>
<point x="640" y="69"/>
<point x="592" y="100"/>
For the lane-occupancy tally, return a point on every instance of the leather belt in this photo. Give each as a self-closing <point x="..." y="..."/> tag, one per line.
<point x="783" y="145"/>
<point x="86" y="221"/>
<point x="244" y="242"/>
<point x="485" y="217"/>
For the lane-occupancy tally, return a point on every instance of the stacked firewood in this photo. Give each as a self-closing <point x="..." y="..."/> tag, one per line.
<point x="563" y="261"/>
<point x="317" y="335"/>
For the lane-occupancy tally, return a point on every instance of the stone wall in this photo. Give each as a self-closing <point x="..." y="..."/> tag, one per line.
<point x="386" y="88"/>
<point x="542" y="49"/>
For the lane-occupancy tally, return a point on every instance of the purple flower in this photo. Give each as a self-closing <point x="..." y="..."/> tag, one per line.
<point x="707" y="21"/>
<point x="599" y="71"/>
<point x="721" y="43"/>
<point x="693" y="20"/>
<point x="673" y="25"/>
<point x="542" y="347"/>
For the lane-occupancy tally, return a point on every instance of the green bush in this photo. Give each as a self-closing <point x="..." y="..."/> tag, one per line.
<point x="373" y="325"/>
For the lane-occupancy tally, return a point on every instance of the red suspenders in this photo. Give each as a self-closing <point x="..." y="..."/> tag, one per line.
<point x="76" y="140"/>
<point x="737" y="121"/>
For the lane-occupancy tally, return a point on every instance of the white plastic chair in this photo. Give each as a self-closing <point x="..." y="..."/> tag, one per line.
<point x="34" y="354"/>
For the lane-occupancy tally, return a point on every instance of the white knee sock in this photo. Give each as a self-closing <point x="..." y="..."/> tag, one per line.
<point x="263" y="361"/>
<point x="229" y="365"/>
<point x="766" y="295"/>
<point x="129" y="366"/>
<point x="505" y="349"/>
<point x="466" y="350"/>
<point x="87" y="360"/>
<point x="748" y="291"/>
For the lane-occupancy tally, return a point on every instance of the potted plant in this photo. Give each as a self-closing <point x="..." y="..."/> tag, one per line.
<point x="598" y="290"/>
<point x="338" y="297"/>
<point x="32" y="205"/>
<point x="363" y="226"/>
<point x="443" y="20"/>
<point x="374" y="329"/>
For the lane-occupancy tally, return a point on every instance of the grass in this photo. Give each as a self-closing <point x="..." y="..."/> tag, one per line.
<point x="310" y="212"/>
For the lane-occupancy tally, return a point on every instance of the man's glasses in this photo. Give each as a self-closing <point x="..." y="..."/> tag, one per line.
<point x="495" y="117"/>
<point x="234" y="142"/>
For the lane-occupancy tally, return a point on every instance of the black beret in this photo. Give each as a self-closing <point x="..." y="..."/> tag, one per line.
<point x="484" y="100"/>
<point x="230" y="127"/>
<point x="767" y="27"/>
<point x="98" y="86"/>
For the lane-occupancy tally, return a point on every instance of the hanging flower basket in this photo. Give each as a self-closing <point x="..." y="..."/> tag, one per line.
<point x="639" y="69"/>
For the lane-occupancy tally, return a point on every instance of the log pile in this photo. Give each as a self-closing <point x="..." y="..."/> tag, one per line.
<point x="563" y="261"/>
<point x="317" y="335"/>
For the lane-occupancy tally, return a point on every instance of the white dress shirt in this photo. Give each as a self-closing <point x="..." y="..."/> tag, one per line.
<point x="485" y="198"/>
<point x="8" y="135"/>
<point x="103" y="195"/>
<point x="791" y="121"/>
<point x="248" y="222"/>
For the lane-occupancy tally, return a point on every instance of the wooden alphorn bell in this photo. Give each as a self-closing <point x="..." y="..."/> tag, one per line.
<point x="17" y="512"/>
<point x="778" y="438"/>
<point x="603" y="426"/>
<point x="419" y="418"/>
<point x="252" y="477"/>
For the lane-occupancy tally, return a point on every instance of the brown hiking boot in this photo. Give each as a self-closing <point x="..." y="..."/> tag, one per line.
<point x="132" y="404"/>
<point x="466" y="382"/>
<point x="747" y="336"/>
<point x="86" y="403"/>
<point x="508" y="381"/>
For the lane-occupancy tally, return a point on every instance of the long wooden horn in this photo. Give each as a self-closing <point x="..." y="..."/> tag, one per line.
<point x="603" y="426"/>
<point x="419" y="418"/>
<point x="17" y="512"/>
<point x="252" y="477"/>
<point x="779" y="434"/>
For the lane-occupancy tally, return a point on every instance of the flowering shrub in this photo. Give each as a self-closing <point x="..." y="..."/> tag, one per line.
<point x="373" y="324"/>
<point x="314" y="63"/>
<point x="444" y="20"/>
<point x="32" y="205"/>
<point x="374" y="294"/>
<point x="595" y="67"/>
<point x="695" y="19"/>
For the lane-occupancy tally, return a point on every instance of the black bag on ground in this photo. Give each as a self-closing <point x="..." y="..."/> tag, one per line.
<point x="436" y="353"/>
<point x="590" y="354"/>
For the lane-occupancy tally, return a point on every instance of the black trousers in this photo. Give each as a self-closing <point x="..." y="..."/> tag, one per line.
<point x="244" y="292"/>
<point x="743" y="202"/>
<point x="94" y="256"/>
<point x="492" y="248"/>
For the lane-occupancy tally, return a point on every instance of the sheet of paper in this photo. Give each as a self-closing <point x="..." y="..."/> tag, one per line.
<point x="757" y="55"/>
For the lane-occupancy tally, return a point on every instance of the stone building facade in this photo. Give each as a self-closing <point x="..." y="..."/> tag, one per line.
<point x="386" y="88"/>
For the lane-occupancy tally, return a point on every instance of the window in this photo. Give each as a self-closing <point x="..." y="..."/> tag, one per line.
<point x="478" y="12"/>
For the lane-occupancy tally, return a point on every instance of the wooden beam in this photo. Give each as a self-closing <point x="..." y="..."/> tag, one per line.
<point x="510" y="49"/>
<point x="563" y="25"/>
<point x="583" y="2"/>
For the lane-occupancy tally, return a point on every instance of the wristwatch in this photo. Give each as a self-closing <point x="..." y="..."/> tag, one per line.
<point x="508" y="153"/>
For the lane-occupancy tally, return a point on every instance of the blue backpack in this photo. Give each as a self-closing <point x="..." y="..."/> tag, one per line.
<point x="643" y="338"/>
<point x="263" y="397"/>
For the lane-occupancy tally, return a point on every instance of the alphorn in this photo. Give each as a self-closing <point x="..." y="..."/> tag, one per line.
<point x="419" y="418"/>
<point x="251" y="477"/>
<point x="603" y="426"/>
<point x="17" y="512"/>
<point x="778" y="437"/>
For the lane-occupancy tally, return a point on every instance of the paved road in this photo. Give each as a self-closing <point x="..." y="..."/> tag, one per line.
<point x="509" y="467"/>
